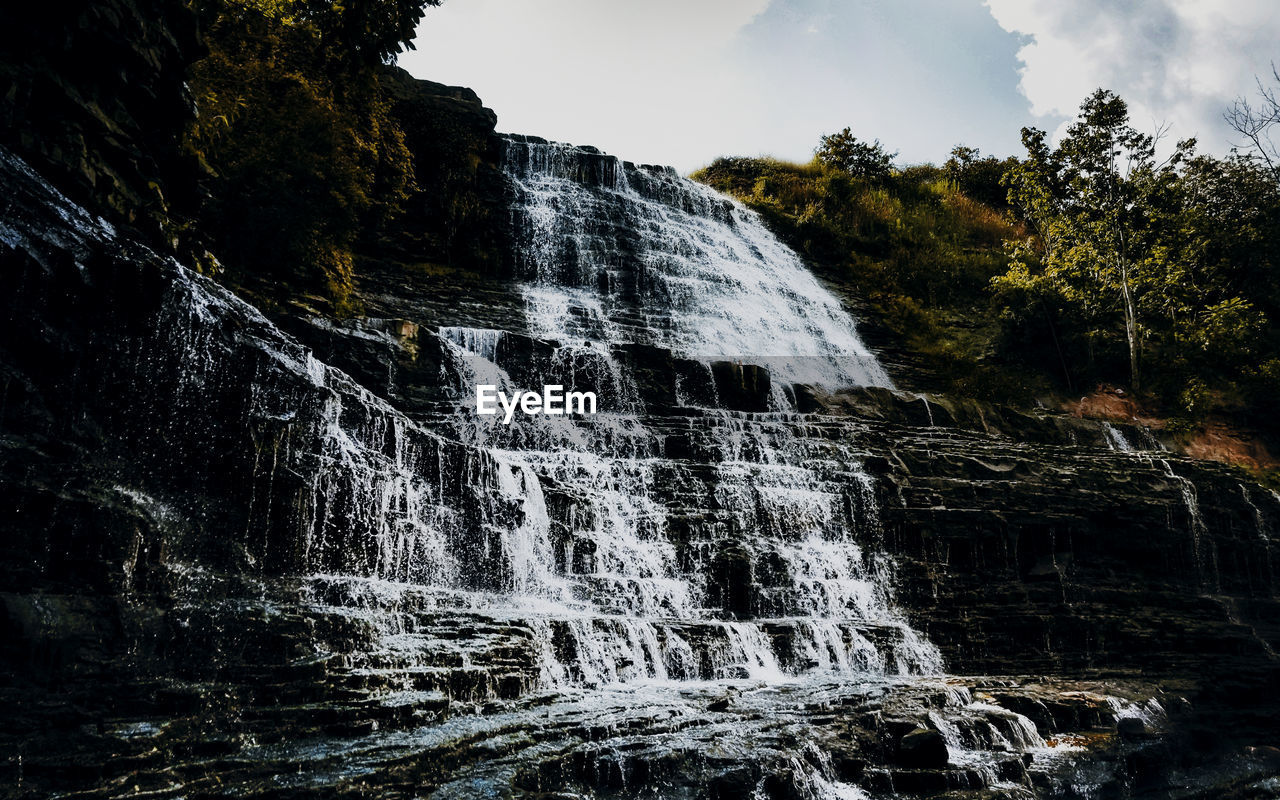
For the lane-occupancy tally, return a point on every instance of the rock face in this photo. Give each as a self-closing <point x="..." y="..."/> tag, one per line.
<point x="286" y="558"/>
<point x="235" y="554"/>
<point x="94" y="93"/>
<point x="923" y="749"/>
<point x="457" y="213"/>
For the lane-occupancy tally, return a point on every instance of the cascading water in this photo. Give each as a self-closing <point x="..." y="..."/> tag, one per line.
<point x="333" y="586"/>
<point x="760" y="562"/>
<point x="620" y="254"/>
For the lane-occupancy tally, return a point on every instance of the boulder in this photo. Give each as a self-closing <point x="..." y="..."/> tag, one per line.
<point x="1131" y="728"/>
<point x="923" y="748"/>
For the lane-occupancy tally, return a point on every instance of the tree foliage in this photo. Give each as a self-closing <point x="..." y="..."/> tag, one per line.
<point x="1104" y="216"/>
<point x="981" y="178"/>
<point x="301" y="153"/>
<point x="368" y="30"/>
<point x="1171" y="259"/>
<point x="845" y="152"/>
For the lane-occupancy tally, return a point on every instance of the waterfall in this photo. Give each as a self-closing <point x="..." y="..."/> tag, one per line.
<point x="345" y="580"/>
<point x="616" y="253"/>
<point x="478" y="558"/>
<point x="1115" y="439"/>
<point x="761" y="563"/>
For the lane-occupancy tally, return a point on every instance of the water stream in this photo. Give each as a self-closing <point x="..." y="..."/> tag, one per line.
<point x="761" y="561"/>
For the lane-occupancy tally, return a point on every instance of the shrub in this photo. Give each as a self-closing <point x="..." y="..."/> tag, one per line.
<point x="845" y="152"/>
<point x="300" y="152"/>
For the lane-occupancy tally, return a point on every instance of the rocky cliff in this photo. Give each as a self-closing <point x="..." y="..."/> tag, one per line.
<point x="457" y="214"/>
<point x="267" y="565"/>
<point x="94" y="93"/>
<point x="285" y="558"/>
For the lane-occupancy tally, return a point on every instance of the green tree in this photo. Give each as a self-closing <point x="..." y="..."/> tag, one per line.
<point x="1235" y="207"/>
<point x="978" y="177"/>
<point x="845" y="152"/>
<point x="294" y="130"/>
<point x="1232" y="220"/>
<point x="1100" y="206"/>
<point x="370" y="30"/>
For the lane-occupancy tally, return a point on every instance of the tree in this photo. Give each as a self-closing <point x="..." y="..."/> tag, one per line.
<point x="1101" y="208"/>
<point x="1235" y="206"/>
<point x="1232" y="215"/>
<point x="1256" y="123"/>
<point x="295" y="132"/>
<point x="978" y="177"/>
<point x="373" y="31"/>
<point x="845" y="152"/>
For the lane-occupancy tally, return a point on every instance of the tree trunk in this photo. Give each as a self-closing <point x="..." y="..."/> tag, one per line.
<point x="1130" y="325"/>
<point x="1053" y="332"/>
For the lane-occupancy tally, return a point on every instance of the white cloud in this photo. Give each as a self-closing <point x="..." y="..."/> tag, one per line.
<point x="1175" y="61"/>
<point x="630" y="77"/>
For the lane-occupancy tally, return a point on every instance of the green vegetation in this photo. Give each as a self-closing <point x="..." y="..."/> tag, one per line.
<point x="1156" y="249"/>
<point x="1095" y="261"/>
<point x="911" y="242"/>
<point x="844" y="152"/>
<point x="1104" y="216"/>
<point x="301" y="155"/>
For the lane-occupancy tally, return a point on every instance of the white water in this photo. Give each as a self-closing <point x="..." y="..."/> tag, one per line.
<point x="619" y="563"/>
<point x="1115" y="439"/>
<point x="1190" y="499"/>
<point x="603" y="574"/>
<point x="704" y="278"/>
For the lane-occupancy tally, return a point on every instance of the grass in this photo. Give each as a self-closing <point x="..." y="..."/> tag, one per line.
<point x="913" y="244"/>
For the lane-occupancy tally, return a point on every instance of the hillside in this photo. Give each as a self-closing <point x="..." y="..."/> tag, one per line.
<point x="837" y="528"/>
<point x="929" y="257"/>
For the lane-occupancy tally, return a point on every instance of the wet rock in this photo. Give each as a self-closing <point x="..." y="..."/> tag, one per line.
<point x="108" y="136"/>
<point x="923" y="749"/>
<point x="731" y="580"/>
<point x="745" y="387"/>
<point x="456" y="212"/>
<point x="1131" y="728"/>
<point x="733" y="784"/>
<point x="723" y="704"/>
<point x="848" y="768"/>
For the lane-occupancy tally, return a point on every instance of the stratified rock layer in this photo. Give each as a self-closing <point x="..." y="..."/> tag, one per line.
<point x="94" y="93"/>
<point x="236" y="568"/>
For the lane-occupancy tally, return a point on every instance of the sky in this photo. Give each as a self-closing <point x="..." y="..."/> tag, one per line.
<point x="681" y="82"/>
